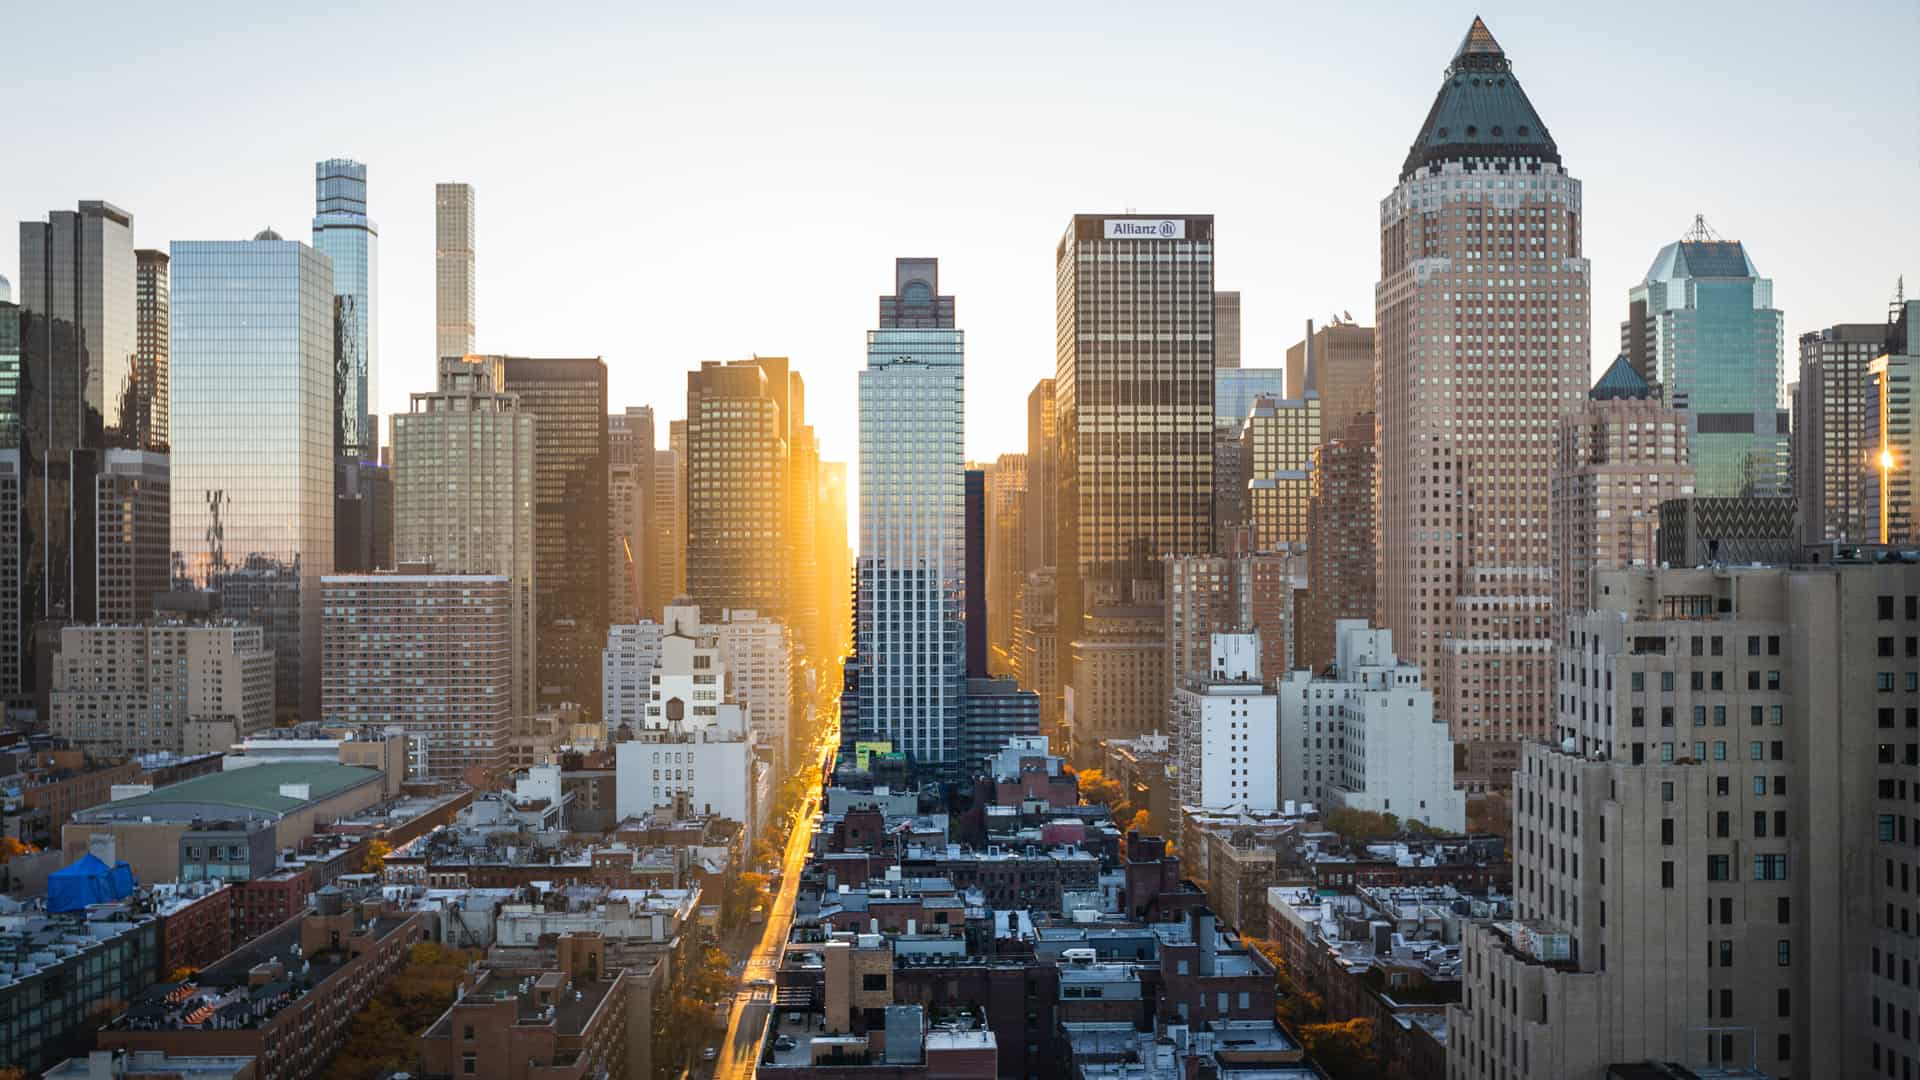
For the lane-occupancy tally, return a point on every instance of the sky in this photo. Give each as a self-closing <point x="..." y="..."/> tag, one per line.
<point x="665" y="184"/>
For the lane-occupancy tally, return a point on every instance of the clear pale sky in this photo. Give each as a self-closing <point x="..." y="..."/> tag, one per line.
<point x="660" y="187"/>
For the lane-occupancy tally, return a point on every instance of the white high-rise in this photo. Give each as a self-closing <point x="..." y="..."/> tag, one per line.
<point x="1224" y="729"/>
<point x="1365" y="738"/>
<point x="912" y="521"/>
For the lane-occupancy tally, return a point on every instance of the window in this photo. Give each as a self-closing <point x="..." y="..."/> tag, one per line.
<point x="1639" y="716"/>
<point x="1769" y="868"/>
<point x="1666" y="874"/>
<point x="1717" y="867"/>
<point x="469" y="1064"/>
<point x="1721" y="821"/>
<point x="1783" y="1002"/>
<point x="1666" y="791"/>
<point x="467" y="1033"/>
<point x="1783" y="1043"/>
<point x="1638" y="681"/>
<point x="873" y="981"/>
<point x="1783" y="953"/>
<point x="1666" y="681"/>
<point x="1726" y="953"/>
<point x="1666" y="831"/>
<point x="1783" y="910"/>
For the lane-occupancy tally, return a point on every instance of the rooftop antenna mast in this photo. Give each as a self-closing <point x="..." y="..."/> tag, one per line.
<point x="1701" y="231"/>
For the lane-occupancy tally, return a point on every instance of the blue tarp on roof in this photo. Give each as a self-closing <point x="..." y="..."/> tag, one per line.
<point x="88" y="881"/>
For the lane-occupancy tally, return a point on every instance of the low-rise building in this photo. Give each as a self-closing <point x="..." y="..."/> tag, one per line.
<point x="587" y="1018"/>
<point x="227" y="826"/>
<point x="284" y="999"/>
<point x="153" y="1065"/>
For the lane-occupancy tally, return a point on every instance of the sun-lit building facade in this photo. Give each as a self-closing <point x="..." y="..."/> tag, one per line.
<point x="253" y="497"/>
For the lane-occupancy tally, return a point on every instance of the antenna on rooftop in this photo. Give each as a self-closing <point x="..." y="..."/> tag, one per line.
<point x="1701" y="231"/>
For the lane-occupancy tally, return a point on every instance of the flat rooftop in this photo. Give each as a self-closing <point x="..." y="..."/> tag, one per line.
<point x="254" y="790"/>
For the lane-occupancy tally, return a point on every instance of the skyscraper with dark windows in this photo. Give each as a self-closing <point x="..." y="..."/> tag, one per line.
<point x="1482" y="309"/>
<point x="151" y="306"/>
<point x="568" y="400"/>
<point x="913" y="523"/>
<point x="254" y="441"/>
<point x="73" y="394"/>
<point x="1702" y="327"/>
<point x="976" y="574"/>
<point x="737" y="467"/>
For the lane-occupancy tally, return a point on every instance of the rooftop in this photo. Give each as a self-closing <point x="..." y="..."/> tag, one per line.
<point x="1480" y="111"/>
<point x="574" y="1001"/>
<point x="252" y="790"/>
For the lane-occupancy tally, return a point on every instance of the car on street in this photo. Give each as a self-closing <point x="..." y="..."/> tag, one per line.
<point x="710" y="1053"/>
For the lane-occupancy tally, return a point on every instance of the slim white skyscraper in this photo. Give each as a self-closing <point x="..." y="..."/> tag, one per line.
<point x="912" y="521"/>
<point x="453" y="268"/>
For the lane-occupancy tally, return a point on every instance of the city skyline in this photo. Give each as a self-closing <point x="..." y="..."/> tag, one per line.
<point x="835" y="184"/>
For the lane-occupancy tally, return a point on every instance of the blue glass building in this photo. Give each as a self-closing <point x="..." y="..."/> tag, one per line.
<point x="253" y="450"/>
<point x="343" y="233"/>
<point x="1702" y="326"/>
<point x="912" y="523"/>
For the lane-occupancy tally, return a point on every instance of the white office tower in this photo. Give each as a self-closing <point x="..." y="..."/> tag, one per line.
<point x="1366" y="738"/>
<point x="626" y="670"/>
<point x="1224" y="731"/>
<point x="693" y="740"/>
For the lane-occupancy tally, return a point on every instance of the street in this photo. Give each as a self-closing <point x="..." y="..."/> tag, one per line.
<point x="746" y="1021"/>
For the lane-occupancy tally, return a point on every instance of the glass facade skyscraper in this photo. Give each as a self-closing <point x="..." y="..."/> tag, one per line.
<point x="1702" y="326"/>
<point x="343" y="233"/>
<point x="69" y="395"/>
<point x="913" y="522"/>
<point x="253" y="451"/>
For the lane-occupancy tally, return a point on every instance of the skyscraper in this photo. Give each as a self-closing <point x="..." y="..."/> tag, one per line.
<point x="737" y="471"/>
<point x="913" y="521"/>
<point x="1006" y="555"/>
<point x="666" y="533"/>
<point x="1702" y="326"/>
<point x="1830" y="440"/>
<point x="803" y="570"/>
<point x="344" y="234"/>
<point x="1891" y="472"/>
<point x="151" y="307"/>
<point x="132" y="507"/>
<point x="1226" y="330"/>
<point x="1620" y="457"/>
<point x="253" y="452"/>
<point x="463" y="471"/>
<point x="1340" y="542"/>
<point x="630" y="510"/>
<point x="453" y="269"/>
<point x="1133" y="406"/>
<point x="974" y="591"/>
<point x="1482" y="307"/>
<point x="13" y="658"/>
<point x="73" y="394"/>
<point x="835" y="561"/>
<point x="568" y="400"/>
<point x="1276" y="454"/>
<point x="1336" y="362"/>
